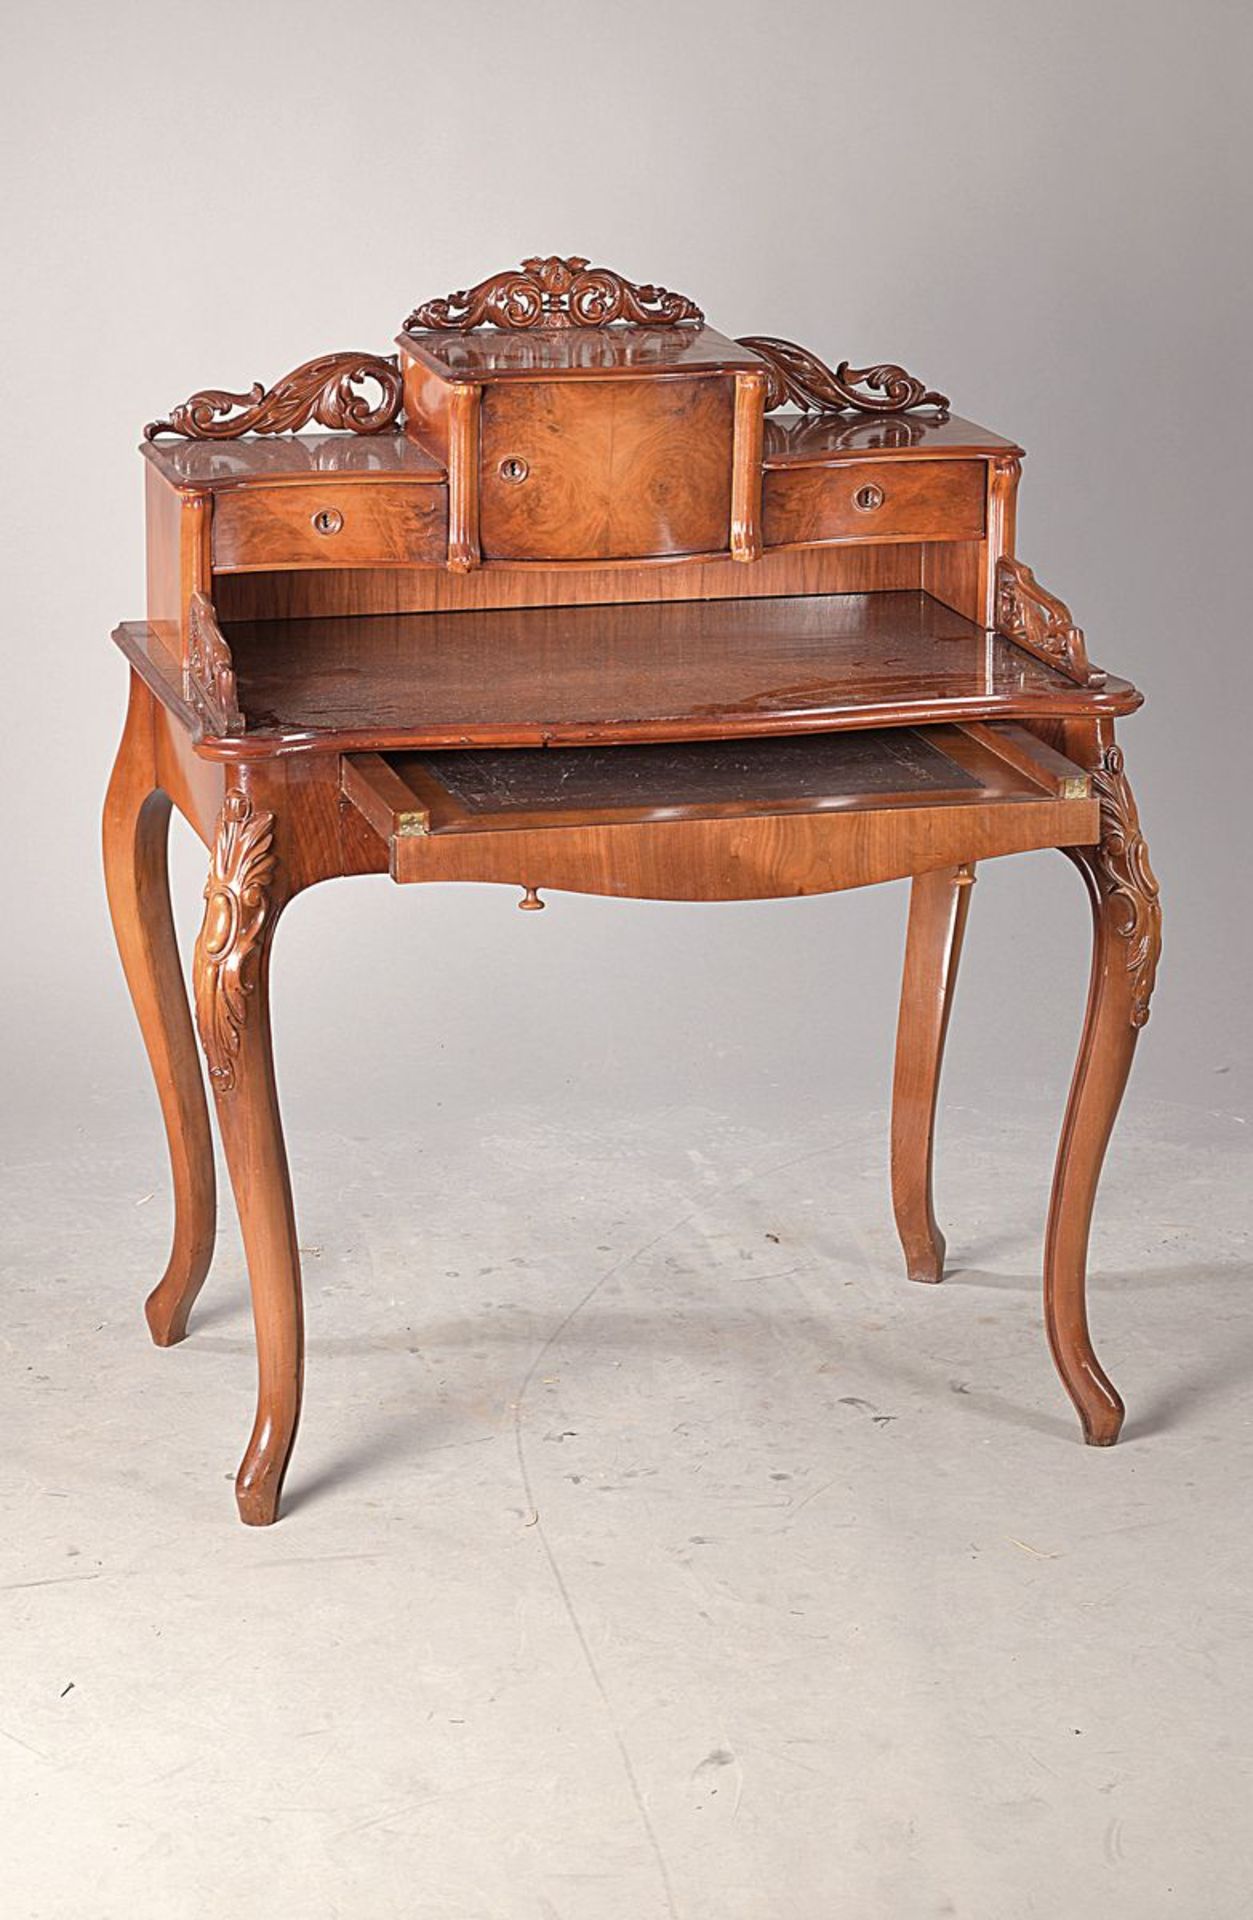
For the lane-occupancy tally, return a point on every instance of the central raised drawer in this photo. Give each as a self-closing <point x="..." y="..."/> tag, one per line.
<point x="611" y="470"/>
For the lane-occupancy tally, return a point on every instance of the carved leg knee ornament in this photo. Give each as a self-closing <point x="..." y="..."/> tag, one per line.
<point x="1127" y="942"/>
<point x="243" y="898"/>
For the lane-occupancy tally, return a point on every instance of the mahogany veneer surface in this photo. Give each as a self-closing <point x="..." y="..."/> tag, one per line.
<point x="554" y="604"/>
<point x="693" y="669"/>
<point x="600" y="352"/>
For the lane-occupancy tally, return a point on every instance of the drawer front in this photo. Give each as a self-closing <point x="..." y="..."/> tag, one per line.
<point x="330" y="526"/>
<point x="723" y="820"/>
<point x="874" y="500"/>
<point x="605" y="469"/>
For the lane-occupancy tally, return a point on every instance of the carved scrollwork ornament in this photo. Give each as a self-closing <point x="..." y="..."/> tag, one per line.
<point x="210" y="677"/>
<point x="1121" y="863"/>
<point x="550" y="291"/>
<point x="237" y="908"/>
<point x="801" y="378"/>
<point x="323" y="390"/>
<point x="1037" y="620"/>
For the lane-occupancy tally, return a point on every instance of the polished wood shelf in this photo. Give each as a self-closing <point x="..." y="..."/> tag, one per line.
<point x="687" y="670"/>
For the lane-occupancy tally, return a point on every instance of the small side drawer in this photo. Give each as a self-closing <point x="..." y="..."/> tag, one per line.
<point x="874" y="500"/>
<point x="380" y="524"/>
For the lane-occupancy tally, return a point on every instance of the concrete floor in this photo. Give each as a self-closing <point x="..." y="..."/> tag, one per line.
<point x="652" y="1548"/>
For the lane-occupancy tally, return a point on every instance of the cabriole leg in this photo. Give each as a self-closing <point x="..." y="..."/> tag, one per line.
<point x="136" y="824"/>
<point x="938" y="906"/>
<point x="242" y="903"/>
<point x="1127" y="942"/>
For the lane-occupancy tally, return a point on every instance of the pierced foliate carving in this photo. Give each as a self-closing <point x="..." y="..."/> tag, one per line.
<point x="1040" y="622"/>
<point x="236" y="910"/>
<point x="210" y="674"/>
<point x="323" y="390"/>
<point x="798" y="376"/>
<point x="1121" y="863"/>
<point x="553" y="291"/>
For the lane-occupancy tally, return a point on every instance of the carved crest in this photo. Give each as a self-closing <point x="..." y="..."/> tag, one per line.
<point x="237" y="906"/>
<point x="1125" y="876"/>
<point x="799" y="376"/>
<point x="210" y="675"/>
<point x="549" y="291"/>
<point x="323" y="390"/>
<point x="1040" y="622"/>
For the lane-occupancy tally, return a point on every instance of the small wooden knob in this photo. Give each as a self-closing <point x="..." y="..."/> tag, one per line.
<point x="530" y="902"/>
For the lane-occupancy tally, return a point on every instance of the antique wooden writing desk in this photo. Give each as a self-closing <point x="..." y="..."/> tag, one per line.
<point x="563" y="607"/>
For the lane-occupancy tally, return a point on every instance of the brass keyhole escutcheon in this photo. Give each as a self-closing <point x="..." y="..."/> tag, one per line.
<point x="327" y="520"/>
<point x="868" y="499"/>
<point x="514" y="470"/>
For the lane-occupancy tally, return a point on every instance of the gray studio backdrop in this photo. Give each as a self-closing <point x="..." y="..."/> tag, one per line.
<point x="1040" y="208"/>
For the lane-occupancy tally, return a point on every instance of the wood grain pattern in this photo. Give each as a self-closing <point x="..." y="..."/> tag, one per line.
<point x="781" y="574"/>
<point x="636" y="469"/>
<point x="574" y="676"/>
<point x="806" y="439"/>
<point x="722" y="631"/>
<point x="244" y="896"/>
<point x="178" y="548"/>
<point x="746" y="469"/>
<point x="916" y="500"/>
<point x="215" y="466"/>
<point x="136" y="831"/>
<point x="1126" y="919"/>
<point x="768" y="857"/>
<point x="939" y="904"/>
<point x="340" y="524"/>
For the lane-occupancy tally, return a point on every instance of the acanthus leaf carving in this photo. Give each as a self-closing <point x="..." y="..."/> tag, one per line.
<point x="324" y="390"/>
<point x="1041" y="623"/>
<point x="237" y="908"/>
<point x="551" y="291"/>
<point x="798" y="376"/>
<point x="210" y="674"/>
<point x="1125" y="877"/>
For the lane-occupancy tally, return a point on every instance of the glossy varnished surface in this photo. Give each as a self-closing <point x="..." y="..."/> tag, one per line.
<point x="744" y="821"/>
<point x="215" y="465"/>
<point x="875" y="500"/>
<point x="514" y="622"/>
<point x="323" y="524"/>
<point x="802" y="439"/>
<point x="639" y="468"/>
<point x="602" y="352"/>
<point x="688" y="670"/>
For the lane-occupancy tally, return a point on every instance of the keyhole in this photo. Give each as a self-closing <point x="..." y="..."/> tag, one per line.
<point x="867" y="499"/>
<point x="514" y="470"/>
<point x="328" y="520"/>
